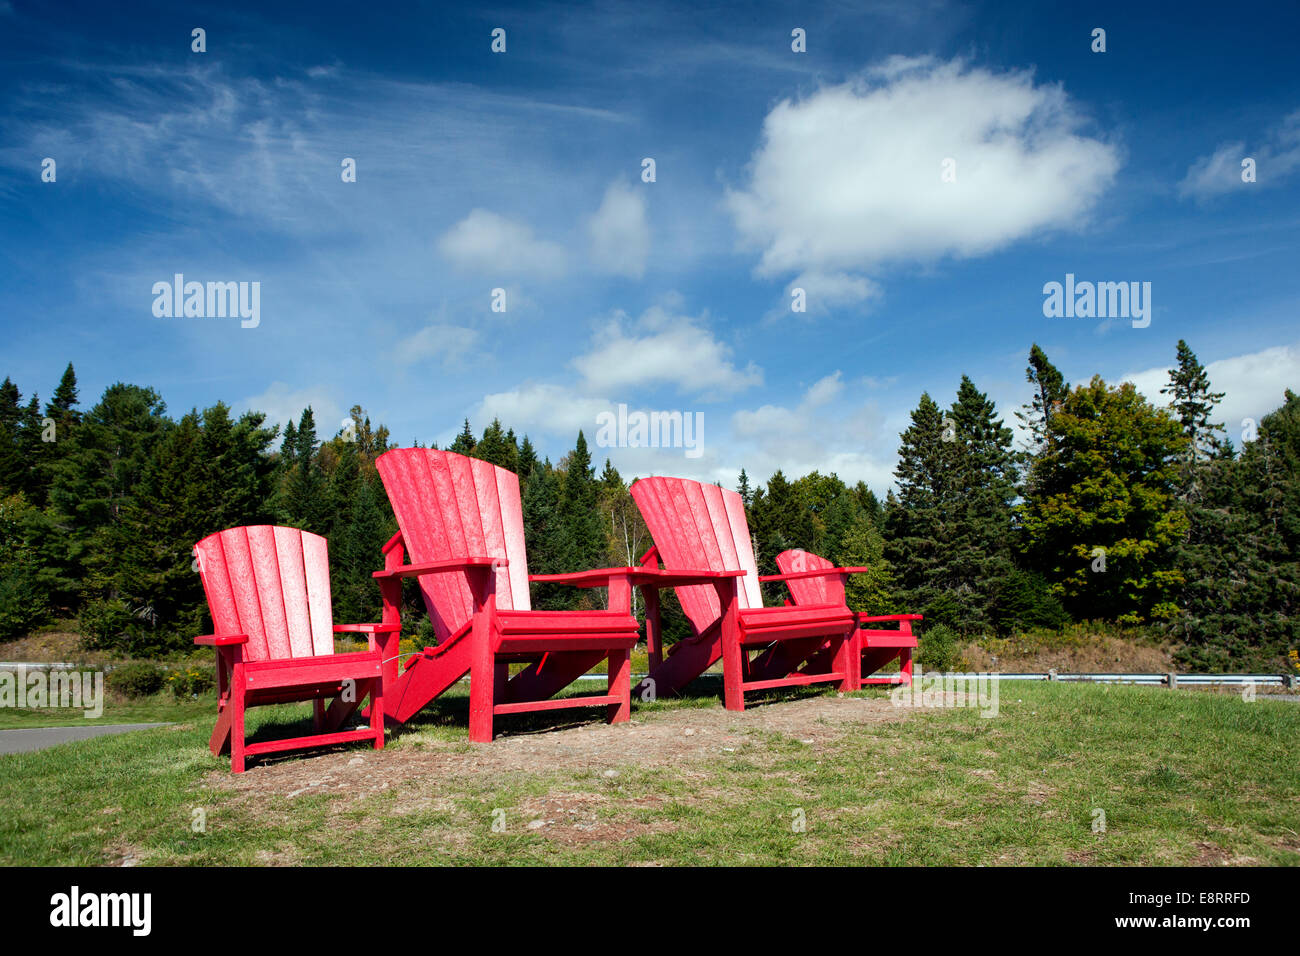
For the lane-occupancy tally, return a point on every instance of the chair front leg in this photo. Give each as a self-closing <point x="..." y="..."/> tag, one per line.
<point x="732" y="671"/>
<point x="482" y="672"/>
<point x="620" y="683"/>
<point x="237" y="698"/>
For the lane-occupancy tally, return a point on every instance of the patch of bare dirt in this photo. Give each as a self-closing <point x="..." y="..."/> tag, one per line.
<point x="48" y="647"/>
<point x="426" y="773"/>
<point x="1102" y="654"/>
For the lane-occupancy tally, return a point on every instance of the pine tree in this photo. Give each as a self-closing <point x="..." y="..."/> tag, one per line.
<point x="1193" y="404"/>
<point x="1050" y="390"/>
<point x="464" y="443"/>
<point x="527" y="461"/>
<point x="583" y="538"/>
<point x="12" y="466"/>
<point x="918" y="519"/>
<point x="1240" y="593"/>
<point x="742" y="488"/>
<point x="497" y="448"/>
<point x="304" y="504"/>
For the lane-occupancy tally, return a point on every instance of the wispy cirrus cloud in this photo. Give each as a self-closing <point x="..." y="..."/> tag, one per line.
<point x="1220" y="172"/>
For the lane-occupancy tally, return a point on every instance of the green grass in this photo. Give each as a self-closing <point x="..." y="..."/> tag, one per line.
<point x="160" y="708"/>
<point x="1182" y="778"/>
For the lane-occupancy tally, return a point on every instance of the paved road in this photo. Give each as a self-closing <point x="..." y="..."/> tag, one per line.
<point x="38" y="738"/>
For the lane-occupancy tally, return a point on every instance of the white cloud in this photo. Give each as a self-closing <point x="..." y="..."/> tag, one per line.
<point x="1221" y="171"/>
<point x="664" y="348"/>
<point x="824" y="292"/>
<point x="553" y="409"/>
<point x="486" y="242"/>
<point x="619" y="233"/>
<point x="849" y="178"/>
<point x="283" y="404"/>
<point x="447" y="343"/>
<point x="1253" y="384"/>
<point x="817" y="434"/>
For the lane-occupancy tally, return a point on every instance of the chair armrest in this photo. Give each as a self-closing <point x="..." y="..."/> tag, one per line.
<point x="366" y="628"/>
<point x="441" y="567"/>
<point x="670" y="578"/>
<point x="815" y="573"/>
<point x="871" y="619"/>
<point x="596" y="578"/>
<point x="220" y="640"/>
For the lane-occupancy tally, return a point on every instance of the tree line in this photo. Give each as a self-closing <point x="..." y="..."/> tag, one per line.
<point x="1118" y="511"/>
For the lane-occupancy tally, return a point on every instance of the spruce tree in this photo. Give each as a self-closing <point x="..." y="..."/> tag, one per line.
<point x="1050" y="390"/>
<point x="1193" y="404"/>
<point x="464" y="443"/>
<point x="12" y="465"/>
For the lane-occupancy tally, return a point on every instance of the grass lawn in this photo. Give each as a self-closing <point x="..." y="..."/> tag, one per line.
<point x="1182" y="778"/>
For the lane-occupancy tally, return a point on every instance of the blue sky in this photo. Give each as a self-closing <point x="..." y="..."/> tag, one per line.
<point x="522" y="171"/>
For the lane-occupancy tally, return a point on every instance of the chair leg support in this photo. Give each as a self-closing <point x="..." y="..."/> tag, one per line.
<point x="620" y="682"/>
<point x="236" y="709"/>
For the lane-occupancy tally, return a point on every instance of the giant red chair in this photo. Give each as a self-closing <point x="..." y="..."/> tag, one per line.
<point x="268" y="590"/>
<point x="811" y="579"/>
<point x="699" y="525"/>
<point x="461" y="524"/>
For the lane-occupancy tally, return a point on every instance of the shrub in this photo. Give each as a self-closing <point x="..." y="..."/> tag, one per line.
<point x="1024" y="600"/>
<point x="136" y="679"/>
<point x="191" y="681"/>
<point x="937" y="649"/>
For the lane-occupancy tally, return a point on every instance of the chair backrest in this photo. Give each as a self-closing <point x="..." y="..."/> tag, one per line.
<point x="447" y="507"/>
<point x="273" y="584"/>
<point x="827" y="590"/>
<point x="699" y="527"/>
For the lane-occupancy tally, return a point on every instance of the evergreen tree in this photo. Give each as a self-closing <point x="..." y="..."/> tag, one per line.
<point x="919" y="519"/>
<point x="582" y="541"/>
<point x="527" y="461"/>
<point x="1240" y="593"/>
<point x="742" y="488"/>
<point x="496" y="447"/>
<point x="305" y="505"/>
<point x="12" y="465"/>
<point x="1193" y="404"/>
<point x="1050" y="391"/>
<point x="464" y="443"/>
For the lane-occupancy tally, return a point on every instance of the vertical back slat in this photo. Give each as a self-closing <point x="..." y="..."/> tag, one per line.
<point x="288" y="545"/>
<point x="215" y="576"/>
<point x="744" y="546"/>
<point x="316" y="570"/>
<point x="243" y="586"/>
<point x="512" y="532"/>
<point x="270" y="592"/>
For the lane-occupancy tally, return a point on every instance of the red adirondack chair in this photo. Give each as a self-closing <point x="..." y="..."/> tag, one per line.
<point x="268" y="590"/>
<point x="812" y="579"/>
<point x="694" y="524"/>
<point x="461" y="521"/>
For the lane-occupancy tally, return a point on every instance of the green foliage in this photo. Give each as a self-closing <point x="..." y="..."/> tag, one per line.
<point x="1240" y="592"/>
<point x="1104" y="491"/>
<point x="949" y="529"/>
<point x="191" y="680"/>
<point x="939" y="648"/>
<point x="137" y="679"/>
<point x="1023" y="601"/>
<point x="23" y="603"/>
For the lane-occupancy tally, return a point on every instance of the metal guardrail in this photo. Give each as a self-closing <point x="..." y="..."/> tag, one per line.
<point x="1153" y="680"/>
